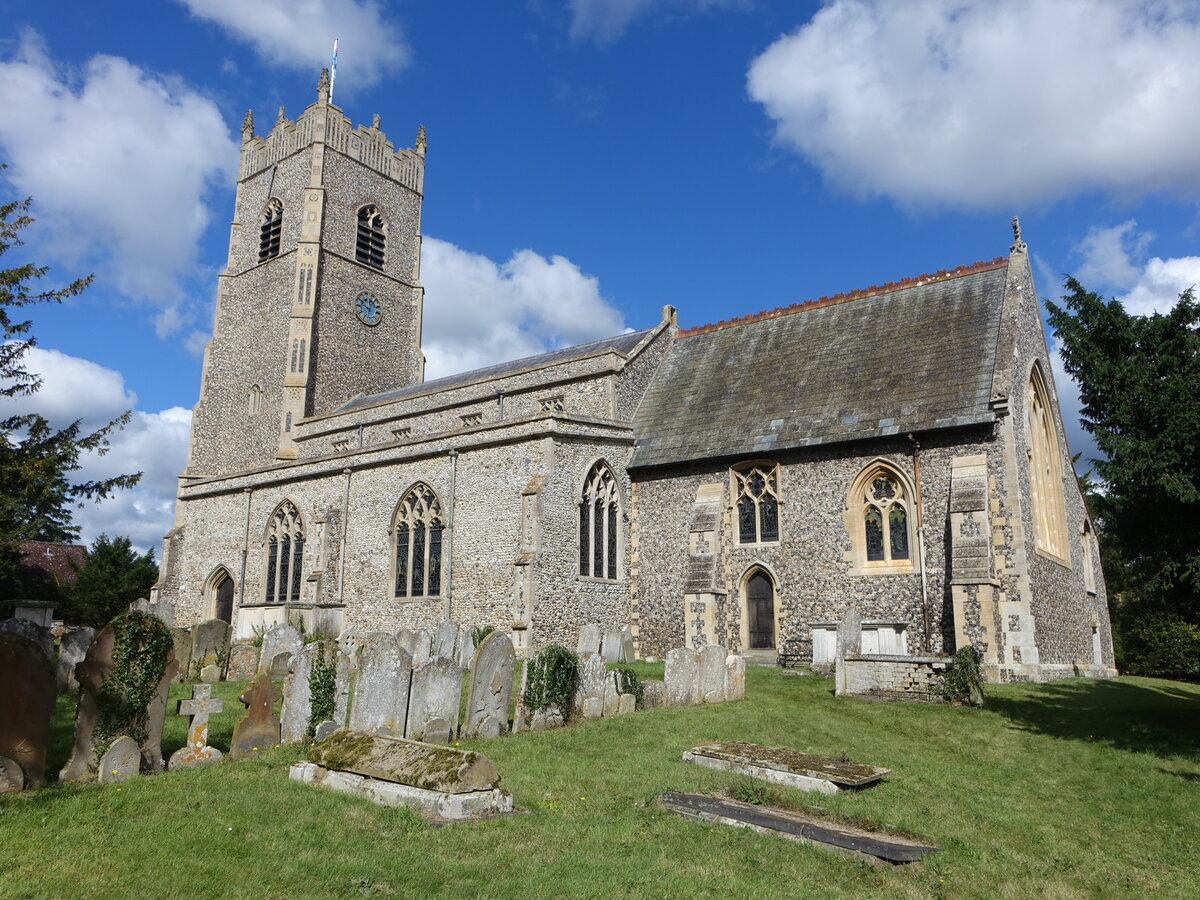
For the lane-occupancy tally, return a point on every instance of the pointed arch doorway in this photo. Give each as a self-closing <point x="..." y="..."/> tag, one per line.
<point x="222" y="588"/>
<point x="758" y="589"/>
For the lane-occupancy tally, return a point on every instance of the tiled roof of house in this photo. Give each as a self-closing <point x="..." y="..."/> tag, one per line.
<point x="52" y="558"/>
<point x="910" y="356"/>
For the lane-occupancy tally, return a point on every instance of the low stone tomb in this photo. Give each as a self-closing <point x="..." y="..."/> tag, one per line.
<point x="382" y="688"/>
<point x="491" y="687"/>
<point x="30" y="631"/>
<point x="277" y="640"/>
<point x="72" y="647"/>
<point x="210" y="647"/>
<point x="872" y="847"/>
<point x="440" y="782"/>
<point x="196" y="751"/>
<point x="26" y="704"/>
<point x="243" y="662"/>
<point x="433" y="702"/>
<point x="786" y="767"/>
<point x="258" y="729"/>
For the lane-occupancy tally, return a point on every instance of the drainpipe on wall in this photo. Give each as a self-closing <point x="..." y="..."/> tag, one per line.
<point x="448" y="545"/>
<point x="499" y="408"/>
<point x="345" y="530"/>
<point x="916" y="456"/>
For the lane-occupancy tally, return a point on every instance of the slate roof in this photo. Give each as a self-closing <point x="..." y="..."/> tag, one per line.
<point x="622" y="343"/>
<point x="909" y="357"/>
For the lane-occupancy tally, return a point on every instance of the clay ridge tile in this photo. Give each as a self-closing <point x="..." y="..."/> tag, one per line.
<point x="861" y="293"/>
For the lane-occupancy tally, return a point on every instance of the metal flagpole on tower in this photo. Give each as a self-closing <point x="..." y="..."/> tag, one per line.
<point x="333" y="70"/>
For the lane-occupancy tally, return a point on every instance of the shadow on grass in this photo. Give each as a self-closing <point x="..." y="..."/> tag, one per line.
<point x="1144" y="716"/>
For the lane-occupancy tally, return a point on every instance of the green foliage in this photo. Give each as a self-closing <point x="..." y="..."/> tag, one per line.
<point x="551" y="679"/>
<point x="1138" y="378"/>
<point x="259" y="631"/>
<point x="750" y="790"/>
<point x="628" y="681"/>
<point x="322" y="686"/>
<point x="36" y="460"/>
<point x="478" y="634"/>
<point x="1156" y="643"/>
<point x="111" y="577"/>
<point x="964" y="682"/>
<point x="141" y="645"/>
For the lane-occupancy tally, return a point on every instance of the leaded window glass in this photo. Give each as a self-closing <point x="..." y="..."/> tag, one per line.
<point x="417" y="538"/>
<point x="270" y="231"/>
<point x="372" y="237"/>
<point x="757" y="491"/>
<point x="884" y="517"/>
<point x="599" y="523"/>
<point x="285" y="555"/>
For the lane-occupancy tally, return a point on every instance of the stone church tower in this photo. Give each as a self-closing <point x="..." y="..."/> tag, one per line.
<point x="325" y="240"/>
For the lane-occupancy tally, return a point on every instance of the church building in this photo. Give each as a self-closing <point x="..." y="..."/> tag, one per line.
<point x="897" y="450"/>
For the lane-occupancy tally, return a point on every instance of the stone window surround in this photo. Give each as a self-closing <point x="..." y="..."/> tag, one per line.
<point x="370" y="238"/>
<point x="291" y="511"/>
<point x="853" y="516"/>
<point x="214" y="580"/>
<point x="270" y="230"/>
<point x="743" y="603"/>
<point x="584" y="494"/>
<point x="445" y="562"/>
<point x="1087" y="538"/>
<point x="766" y="465"/>
<point x="1047" y="503"/>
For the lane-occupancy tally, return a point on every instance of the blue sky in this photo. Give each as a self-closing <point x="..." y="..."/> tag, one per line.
<point x="590" y="161"/>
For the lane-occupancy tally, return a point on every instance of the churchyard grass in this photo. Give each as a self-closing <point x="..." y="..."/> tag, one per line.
<point x="1073" y="789"/>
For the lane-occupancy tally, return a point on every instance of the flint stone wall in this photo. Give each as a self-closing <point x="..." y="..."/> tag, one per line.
<point x="895" y="677"/>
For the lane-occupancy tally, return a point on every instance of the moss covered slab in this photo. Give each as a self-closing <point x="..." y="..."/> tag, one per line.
<point x="738" y="756"/>
<point x="432" y="768"/>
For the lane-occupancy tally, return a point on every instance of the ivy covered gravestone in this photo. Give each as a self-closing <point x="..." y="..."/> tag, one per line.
<point x="123" y="683"/>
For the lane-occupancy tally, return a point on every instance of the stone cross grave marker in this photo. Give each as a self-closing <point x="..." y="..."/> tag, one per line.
<point x="197" y="752"/>
<point x="258" y="729"/>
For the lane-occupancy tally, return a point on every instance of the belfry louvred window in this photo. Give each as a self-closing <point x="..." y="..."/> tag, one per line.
<point x="285" y="555"/>
<point x="372" y="237"/>
<point x="271" y="231"/>
<point x="756" y="489"/>
<point x="599" y="524"/>
<point x="417" y="542"/>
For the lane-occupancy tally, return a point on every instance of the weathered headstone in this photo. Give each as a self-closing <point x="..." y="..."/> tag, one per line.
<point x="156" y="715"/>
<point x="521" y="717"/>
<point x="243" y="662"/>
<point x="281" y="664"/>
<point x="627" y="704"/>
<point x="324" y="730"/>
<point x="258" y="729"/>
<point x="627" y="652"/>
<point x="444" y="640"/>
<point x="72" y="647"/>
<point x="12" y="776"/>
<point x="407" y="638"/>
<point x="341" y="687"/>
<point x="466" y="646"/>
<point x="381" y="691"/>
<point x="141" y="605"/>
<point x="491" y="687"/>
<point x="849" y="643"/>
<point x="211" y="674"/>
<point x="735" y="677"/>
<point x="590" y="638"/>
<point x="26" y="705"/>
<point x="121" y="761"/>
<point x="612" y="700"/>
<point x="197" y="752"/>
<point x="297" y="691"/>
<point x="32" y="631"/>
<point x="210" y="646"/>
<point x="182" y="638"/>
<point x="435" y="694"/>
<point x="712" y="674"/>
<point x="277" y="639"/>
<point x="547" y="718"/>
<point x="610" y="645"/>
<point x="682" y="677"/>
<point x="589" y="691"/>
<point x="422" y="650"/>
<point x="653" y="694"/>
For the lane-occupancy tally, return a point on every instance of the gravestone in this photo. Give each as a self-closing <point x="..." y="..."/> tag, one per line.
<point x="281" y="664"/>
<point x="211" y="674"/>
<point x="196" y="751"/>
<point x="590" y="638"/>
<point x="521" y="716"/>
<point x="849" y="643"/>
<point x="712" y="674"/>
<point x="444" y="639"/>
<point x="547" y="718"/>
<point x="282" y="638"/>
<point x="491" y="687"/>
<point x="422" y="650"/>
<point x="628" y="704"/>
<point x="341" y="688"/>
<point x="653" y="694"/>
<point x="466" y="646"/>
<point x="348" y="642"/>
<point x="381" y="692"/>
<point x="612" y="700"/>
<point x="258" y="729"/>
<point x="627" y="652"/>
<point x="12" y="776"/>
<point x="243" y="662"/>
<point x="26" y="705"/>
<point x="120" y="762"/>
<point x="141" y="605"/>
<point x="588" y="702"/>
<point x="735" y="677"/>
<point x="72" y="647"/>
<point x="297" y="693"/>
<point x="407" y="638"/>
<point x="156" y="715"/>
<point x="182" y="638"/>
<point x="210" y="646"/>
<point x="433" y="701"/>
<point x="32" y="631"/>
<point x="682" y="677"/>
<point x="371" y="640"/>
<point x="324" y="730"/>
<point x="610" y="645"/>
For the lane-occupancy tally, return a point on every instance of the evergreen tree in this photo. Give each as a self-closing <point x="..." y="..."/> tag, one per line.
<point x="111" y="577"/>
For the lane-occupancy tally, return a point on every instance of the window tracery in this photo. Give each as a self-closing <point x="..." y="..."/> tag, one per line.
<point x="372" y="237"/>
<point x="756" y="500"/>
<point x="599" y="524"/>
<point x="880" y="516"/>
<point x="417" y="543"/>
<point x="270" y="231"/>
<point x="285" y="554"/>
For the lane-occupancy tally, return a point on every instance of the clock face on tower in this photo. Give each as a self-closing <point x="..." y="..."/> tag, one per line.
<point x="370" y="309"/>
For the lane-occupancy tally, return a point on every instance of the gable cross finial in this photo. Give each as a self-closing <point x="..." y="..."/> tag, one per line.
<point x="323" y="85"/>
<point x="248" y="125"/>
<point x="279" y="117"/>
<point x="1018" y="245"/>
<point x="421" y="143"/>
<point x="375" y="121"/>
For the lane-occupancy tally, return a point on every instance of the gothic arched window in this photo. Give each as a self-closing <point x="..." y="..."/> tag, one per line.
<point x="1045" y="470"/>
<point x="417" y="543"/>
<point x="599" y="524"/>
<point x="756" y="500"/>
<point x="254" y="400"/>
<point x="285" y="554"/>
<point x="270" y="230"/>
<point x="880" y="517"/>
<point x="372" y="237"/>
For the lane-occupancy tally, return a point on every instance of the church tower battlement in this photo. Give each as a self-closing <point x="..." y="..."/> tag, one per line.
<point x="320" y="300"/>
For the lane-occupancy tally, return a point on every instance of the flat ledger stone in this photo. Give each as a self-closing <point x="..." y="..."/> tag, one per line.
<point x="737" y="756"/>
<point x="433" y="768"/>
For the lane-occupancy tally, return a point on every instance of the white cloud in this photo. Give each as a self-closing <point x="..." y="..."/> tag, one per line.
<point x="1114" y="260"/>
<point x="606" y="20"/>
<point x="478" y="312"/>
<point x="299" y="34"/>
<point x="153" y="443"/>
<point x="1160" y="284"/>
<point x="118" y="161"/>
<point x="974" y="103"/>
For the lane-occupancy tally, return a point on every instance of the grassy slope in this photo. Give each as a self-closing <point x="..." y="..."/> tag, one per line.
<point x="1074" y="789"/>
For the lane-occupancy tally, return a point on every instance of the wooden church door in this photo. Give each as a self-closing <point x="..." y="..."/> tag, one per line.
<point x="760" y="606"/>
<point x="225" y="600"/>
